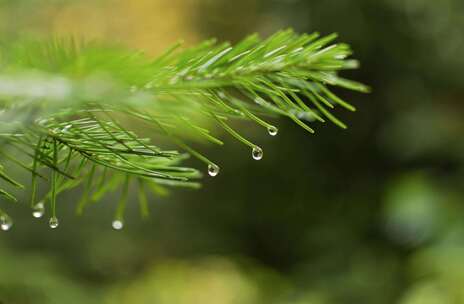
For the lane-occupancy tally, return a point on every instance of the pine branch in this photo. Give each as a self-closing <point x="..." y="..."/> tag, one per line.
<point x="68" y="107"/>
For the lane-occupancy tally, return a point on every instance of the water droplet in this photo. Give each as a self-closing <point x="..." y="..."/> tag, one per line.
<point x="257" y="153"/>
<point x="213" y="170"/>
<point x="117" y="224"/>
<point x="259" y="100"/>
<point x="5" y="223"/>
<point x="53" y="223"/>
<point x="38" y="210"/>
<point x="66" y="128"/>
<point x="273" y="130"/>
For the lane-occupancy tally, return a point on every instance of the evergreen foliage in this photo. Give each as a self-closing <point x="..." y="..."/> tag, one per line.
<point x="68" y="108"/>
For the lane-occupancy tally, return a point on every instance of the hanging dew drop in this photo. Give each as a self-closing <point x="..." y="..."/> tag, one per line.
<point x="213" y="170"/>
<point x="53" y="223"/>
<point x="37" y="213"/>
<point x="257" y="153"/>
<point x="273" y="130"/>
<point x="5" y="223"/>
<point x="117" y="225"/>
<point x="6" y="226"/>
<point x="38" y="210"/>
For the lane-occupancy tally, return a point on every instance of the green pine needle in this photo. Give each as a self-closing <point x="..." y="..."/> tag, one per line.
<point x="73" y="108"/>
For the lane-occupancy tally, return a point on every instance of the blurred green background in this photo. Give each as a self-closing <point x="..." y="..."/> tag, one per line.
<point x="372" y="214"/>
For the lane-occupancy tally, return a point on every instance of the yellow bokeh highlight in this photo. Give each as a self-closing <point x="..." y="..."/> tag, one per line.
<point x="151" y="25"/>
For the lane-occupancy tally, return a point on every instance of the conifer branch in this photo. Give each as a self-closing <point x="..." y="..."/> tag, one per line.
<point x="67" y="107"/>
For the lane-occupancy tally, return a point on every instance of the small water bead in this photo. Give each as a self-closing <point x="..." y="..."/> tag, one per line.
<point x="273" y="130"/>
<point x="66" y="128"/>
<point x="117" y="225"/>
<point x="53" y="223"/>
<point x="259" y="100"/>
<point x="5" y="223"/>
<point x="257" y="153"/>
<point x="38" y="210"/>
<point x="6" y="226"/>
<point x="213" y="170"/>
